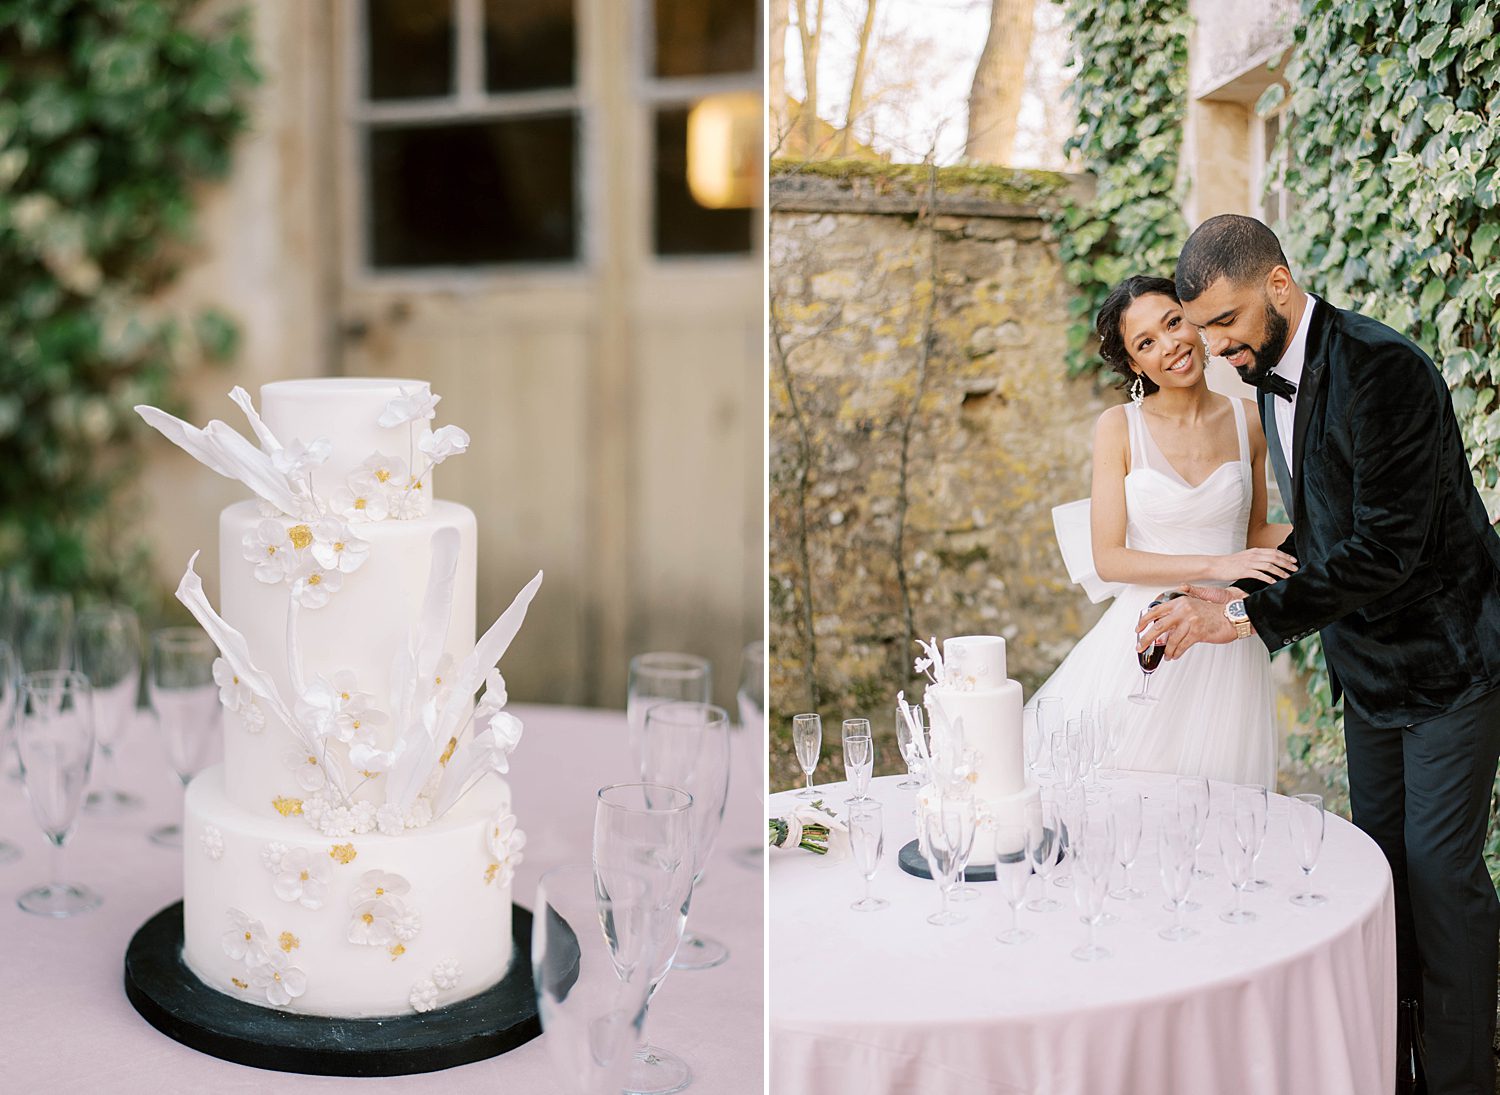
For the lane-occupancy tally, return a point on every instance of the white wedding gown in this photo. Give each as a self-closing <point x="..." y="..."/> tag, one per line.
<point x="1214" y="715"/>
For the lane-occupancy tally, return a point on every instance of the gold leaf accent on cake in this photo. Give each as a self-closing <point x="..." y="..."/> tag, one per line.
<point x="382" y="475"/>
<point x="368" y="774"/>
<point x="287" y="807"/>
<point x="359" y="503"/>
<point x="489" y="873"/>
<point x="448" y="752"/>
<point x="300" y="536"/>
<point x="315" y="579"/>
<point x="237" y="983"/>
<point x="344" y="853"/>
<point x="288" y="941"/>
<point x="397" y="951"/>
<point x="368" y="918"/>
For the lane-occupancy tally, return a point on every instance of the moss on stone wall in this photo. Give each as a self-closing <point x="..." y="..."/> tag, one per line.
<point x="1010" y="185"/>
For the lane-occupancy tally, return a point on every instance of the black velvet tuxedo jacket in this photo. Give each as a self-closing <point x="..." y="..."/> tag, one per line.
<point x="1398" y="565"/>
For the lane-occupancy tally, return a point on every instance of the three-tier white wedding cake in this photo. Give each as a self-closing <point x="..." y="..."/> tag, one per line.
<point x="353" y="854"/>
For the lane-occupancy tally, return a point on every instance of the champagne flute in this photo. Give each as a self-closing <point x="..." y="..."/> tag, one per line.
<point x="807" y="736"/>
<point x="645" y="830"/>
<point x="909" y="752"/>
<point x="1094" y="856"/>
<point x="1049" y="721"/>
<point x="1235" y="842"/>
<point x="1307" y="823"/>
<point x="751" y="697"/>
<point x="948" y="824"/>
<point x="867" y="842"/>
<point x="54" y="724"/>
<point x="591" y="998"/>
<point x="859" y="757"/>
<point x="44" y="631"/>
<point x="1043" y="847"/>
<point x="1013" y="858"/>
<point x="686" y="745"/>
<point x="185" y="701"/>
<point x="663" y="675"/>
<point x="1194" y="791"/>
<point x="10" y="680"/>
<point x="1252" y="798"/>
<point x="1176" y="850"/>
<point x="1110" y="717"/>
<point x="1125" y="808"/>
<point x="107" y="647"/>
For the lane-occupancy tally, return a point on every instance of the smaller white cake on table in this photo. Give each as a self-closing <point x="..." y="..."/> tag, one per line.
<point x="970" y="695"/>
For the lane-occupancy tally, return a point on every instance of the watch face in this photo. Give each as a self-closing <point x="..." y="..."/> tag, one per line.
<point x="1235" y="610"/>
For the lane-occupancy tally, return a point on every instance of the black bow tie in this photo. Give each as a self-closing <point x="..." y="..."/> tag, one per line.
<point x="1276" y="384"/>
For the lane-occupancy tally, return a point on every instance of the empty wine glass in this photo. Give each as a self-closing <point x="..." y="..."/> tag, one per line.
<point x="44" y="631"/>
<point x="1235" y="841"/>
<point x="867" y="842"/>
<point x="1125" y="808"/>
<point x="910" y="755"/>
<point x="107" y="644"/>
<point x="859" y="757"/>
<point x="1307" y="821"/>
<point x="1013" y="858"/>
<point x="1176" y="850"/>
<point x="663" y="675"/>
<point x="751" y="697"/>
<point x="1043" y="848"/>
<point x="54" y="728"/>
<point x="1252" y="798"/>
<point x="645" y="830"/>
<point x="10" y="679"/>
<point x="1148" y="659"/>
<point x="948" y="827"/>
<point x="1094" y="858"/>
<point x="807" y="736"/>
<point x="591" y="998"/>
<point x="185" y="702"/>
<point x="686" y="745"/>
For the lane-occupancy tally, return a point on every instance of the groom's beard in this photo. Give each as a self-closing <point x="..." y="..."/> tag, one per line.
<point x="1263" y="358"/>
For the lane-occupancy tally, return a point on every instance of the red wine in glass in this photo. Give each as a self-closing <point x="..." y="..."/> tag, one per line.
<point x="1150" y="658"/>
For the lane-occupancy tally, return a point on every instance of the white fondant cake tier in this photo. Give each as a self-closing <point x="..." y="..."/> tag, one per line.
<point x="346" y="410"/>
<point x="992" y="728"/>
<point x="359" y="630"/>
<point x="439" y="932"/>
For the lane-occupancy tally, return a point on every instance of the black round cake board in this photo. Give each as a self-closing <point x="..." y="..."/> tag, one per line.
<point x="914" y="863"/>
<point x="172" y="999"/>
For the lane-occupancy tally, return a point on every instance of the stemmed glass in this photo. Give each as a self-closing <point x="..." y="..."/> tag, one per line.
<point x="1193" y="794"/>
<point x="1125" y="809"/>
<point x="591" y="990"/>
<point x="1176" y="850"/>
<point x="751" y="697"/>
<point x="185" y="701"/>
<point x="1307" y="820"/>
<point x="1094" y="857"/>
<point x="44" y="631"/>
<point x="859" y="757"/>
<point x="54" y="726"/>
<point x="807" y="736"/>
<point x="644" y="830"/>
<point x="663" y="675"/>
<point x="686" y="745"/>
<point x="1110" y="722"/>
<point x="948" y="831"/>
<point x="1049" y="721"/>
<point x="1148" y="659"/>
<point x="1071" y="810"/>
<point x="1044" y="840"/>
<point x="867" y="842"/>
<point x="1235" y="841"/>
<point x="1013" y="858"/>
<point x="107" y="645"/>
<point x="904" y="742"/>
<point x="10" y="679"/>
<point x="1252" y="798"/>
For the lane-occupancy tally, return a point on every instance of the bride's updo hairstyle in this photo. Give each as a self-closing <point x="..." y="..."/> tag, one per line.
<point x="1107" y="324"/>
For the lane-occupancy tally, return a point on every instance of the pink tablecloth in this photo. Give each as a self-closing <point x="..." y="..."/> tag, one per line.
<point x="66" y="1027"/>
<point x="1301" y="1002"/>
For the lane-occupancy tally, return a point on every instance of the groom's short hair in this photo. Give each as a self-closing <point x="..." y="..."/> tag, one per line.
<point x="1241" y="249"/>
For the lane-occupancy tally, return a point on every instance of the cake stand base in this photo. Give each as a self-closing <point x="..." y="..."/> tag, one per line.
<point x="172" y="999"/>
<point x="913" y="862"/>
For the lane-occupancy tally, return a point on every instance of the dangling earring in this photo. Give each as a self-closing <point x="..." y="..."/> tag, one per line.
<point x="1137" y="391"/>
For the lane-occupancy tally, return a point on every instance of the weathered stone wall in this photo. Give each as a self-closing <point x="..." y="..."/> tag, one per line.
<point x="937" y="322"/>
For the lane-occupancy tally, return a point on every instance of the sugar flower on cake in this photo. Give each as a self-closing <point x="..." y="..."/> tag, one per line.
<point x="373" y="923"/>
<point x="272" y="854"/>
<point x="234" y="693"/>
<point x="271" y="550"/>
<point x="380" y="885"/>
<point x="246" y="940"/>
<point x="380" y="472"/>
<point x="407" y="924"/>
<point x="442" y="443"/>
<point x="446" y="975"/>
<point x="307" y="769"/>
<point x="495" y="696"/>
<point x="388" y="819"/>
<point x="213" y="842"/>
<point x="313" y="585"/>
<point x="278" y="979"/>
<point x="360" y="499"/>
<point x="338" y="547"/>
<point x="506" y="842"/>
<point x="424" y="995"/>
<point x="412" y="406"/>
<point x="303" y="878"/>
<point x="297" y="459"/>
<point x="408" y="505"/>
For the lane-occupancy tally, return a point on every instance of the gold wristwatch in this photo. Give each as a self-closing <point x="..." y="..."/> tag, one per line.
<point x="1235" y="613"/>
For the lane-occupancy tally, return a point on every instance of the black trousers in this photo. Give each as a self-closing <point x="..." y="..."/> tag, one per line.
<point x="1423" y="794"/>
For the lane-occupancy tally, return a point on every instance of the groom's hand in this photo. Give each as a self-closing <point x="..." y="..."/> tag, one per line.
<point x="1216" y="595"/>
<point x="1186" y="621"/>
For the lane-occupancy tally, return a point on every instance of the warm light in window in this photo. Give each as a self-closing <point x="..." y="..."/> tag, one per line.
<point x="724" y="147"/>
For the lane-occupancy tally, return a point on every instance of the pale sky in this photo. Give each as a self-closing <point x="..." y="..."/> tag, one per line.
<point x="923" y="57"/>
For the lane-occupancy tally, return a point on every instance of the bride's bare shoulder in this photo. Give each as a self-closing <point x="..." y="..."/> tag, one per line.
<point x="1111" y="431"/>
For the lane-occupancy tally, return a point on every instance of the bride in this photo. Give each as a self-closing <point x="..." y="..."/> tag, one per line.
<point x="1178" y="495"/>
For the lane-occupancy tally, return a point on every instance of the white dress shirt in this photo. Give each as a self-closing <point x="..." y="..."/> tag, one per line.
<point x="1290" y="367"/>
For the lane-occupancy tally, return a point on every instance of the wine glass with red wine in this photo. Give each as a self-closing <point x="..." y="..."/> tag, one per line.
<point x="1151" y="657"/>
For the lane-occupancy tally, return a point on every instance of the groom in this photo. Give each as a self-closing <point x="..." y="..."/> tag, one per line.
<point x="1399" y="570"/>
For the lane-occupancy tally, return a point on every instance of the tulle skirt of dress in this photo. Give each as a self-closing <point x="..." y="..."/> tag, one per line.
<point x="1214" y="715"/>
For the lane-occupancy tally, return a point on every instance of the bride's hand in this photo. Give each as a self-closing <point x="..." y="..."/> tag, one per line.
<point x="1219" y="595"/>
<point x="1267" y="564"/>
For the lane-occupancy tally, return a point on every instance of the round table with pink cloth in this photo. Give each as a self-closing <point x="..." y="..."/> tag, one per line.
<point x="1300" y="1002"/>
<point x="66" y="1026"/>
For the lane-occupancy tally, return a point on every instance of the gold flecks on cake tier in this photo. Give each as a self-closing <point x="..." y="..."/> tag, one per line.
<point x="344" y="853"/>
<point x="397" y="951"/>
<point x="489" y="873"/>
<point x="237" y="983"/>
<point x="288" y="942"/>
<point x="287" y="807"/>
<point x="448" y="752"/>
<point x="300" y="535"/>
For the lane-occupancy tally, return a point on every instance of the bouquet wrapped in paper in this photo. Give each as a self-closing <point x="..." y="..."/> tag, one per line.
<point x="813" y="827"/>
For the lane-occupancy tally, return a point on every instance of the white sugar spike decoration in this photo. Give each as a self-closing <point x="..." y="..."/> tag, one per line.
<point x="437" y="604"/>
<point x="932" y="664"/>
<point x="487" y="751"/>
<point x="471" y="672"/>
<point x="221" y="449"/>
<point x="268" y="443"/>
<point x="331" y="769"/>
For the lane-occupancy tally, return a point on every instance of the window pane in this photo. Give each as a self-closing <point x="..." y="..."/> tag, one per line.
<point x="705" y="37"/>
<point x="410" y="49"/>
<point x="683" y="227"/>
<point x="528" y="45"/>
<point x="473" y="194"/>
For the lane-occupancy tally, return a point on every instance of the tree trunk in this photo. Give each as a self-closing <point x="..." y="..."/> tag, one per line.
<point x="776" y="89"/>
<point x="857" y="84"/>
<point x="995" y="96"/>
<point x="811" y="33"/>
